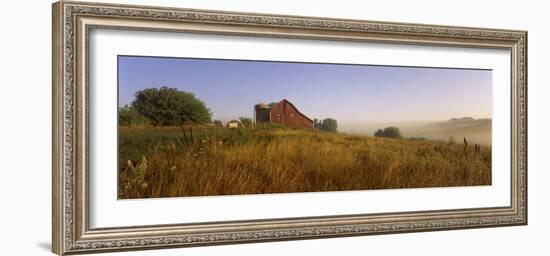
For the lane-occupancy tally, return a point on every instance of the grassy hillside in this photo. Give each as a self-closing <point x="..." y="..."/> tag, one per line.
<point x="474" y="130"/>
<point x="169" y="162"/>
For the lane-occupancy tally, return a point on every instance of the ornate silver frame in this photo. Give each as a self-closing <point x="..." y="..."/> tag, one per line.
<point x="72" y="21"/>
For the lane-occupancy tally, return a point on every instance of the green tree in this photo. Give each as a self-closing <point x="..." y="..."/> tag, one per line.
<point x="128" y="115"/>
<point x="317" y="124"/>
<point x="388" y="132"/>
<point x="329" y="125"/>
<point x="247" y="122"/>
<point x="169" y="106"/>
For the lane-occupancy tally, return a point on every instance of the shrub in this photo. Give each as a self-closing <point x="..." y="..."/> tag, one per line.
<point x="388" y="132"/>
<point x="246" y="122"/>
<point x="128" y="115"/>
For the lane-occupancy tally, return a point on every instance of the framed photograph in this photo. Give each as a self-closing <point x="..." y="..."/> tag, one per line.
<point x="179" y="127"/>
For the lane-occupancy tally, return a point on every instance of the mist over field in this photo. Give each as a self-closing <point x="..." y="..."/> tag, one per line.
<point x="474" y="130"/>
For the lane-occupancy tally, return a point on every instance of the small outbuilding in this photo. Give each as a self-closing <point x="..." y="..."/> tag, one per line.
<point x="234" y="124"/>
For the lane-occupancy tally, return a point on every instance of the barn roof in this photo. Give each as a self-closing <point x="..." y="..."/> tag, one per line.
<point x="297" y="110"/>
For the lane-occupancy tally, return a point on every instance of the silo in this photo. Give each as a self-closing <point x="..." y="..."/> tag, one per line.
<point x="261" y="113"/>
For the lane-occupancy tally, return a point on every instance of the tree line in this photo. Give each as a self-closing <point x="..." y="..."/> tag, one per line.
<point x="168" y="106"/>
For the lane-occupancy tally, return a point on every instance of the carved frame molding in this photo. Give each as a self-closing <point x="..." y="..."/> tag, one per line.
<point x="72" y="22"/>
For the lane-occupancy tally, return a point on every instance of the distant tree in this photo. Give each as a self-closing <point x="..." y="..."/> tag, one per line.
<point x="392" y="132"/>
<point x="317" y="124"/>
<point x="246" y="122"/>
<point x="128" y="115"/>
<point x="169" y="106"/>
<point x="388" y="132"/>
<point x="329" y="125"/>
<point x="272" y="104"/>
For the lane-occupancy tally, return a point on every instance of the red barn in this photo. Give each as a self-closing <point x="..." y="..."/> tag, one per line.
<point x="284" y="113"/>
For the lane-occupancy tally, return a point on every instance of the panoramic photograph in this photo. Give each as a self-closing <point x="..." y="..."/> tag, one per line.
<point x="210" y="127"/>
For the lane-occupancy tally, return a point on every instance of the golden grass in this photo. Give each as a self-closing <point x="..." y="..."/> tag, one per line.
<point x="228" y="162"/>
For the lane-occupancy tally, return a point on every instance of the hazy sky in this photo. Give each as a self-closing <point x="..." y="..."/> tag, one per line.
<point x="347" y="93"/>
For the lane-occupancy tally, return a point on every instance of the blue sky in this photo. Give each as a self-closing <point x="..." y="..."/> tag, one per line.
<point x="347" y="93"/>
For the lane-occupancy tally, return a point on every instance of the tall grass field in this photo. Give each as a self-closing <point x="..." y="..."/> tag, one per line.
<point x="203" y="160"/>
